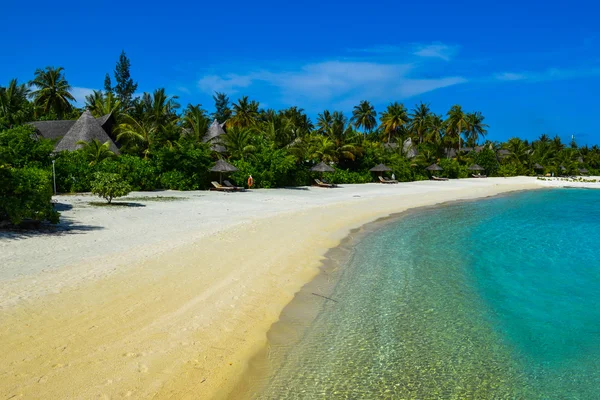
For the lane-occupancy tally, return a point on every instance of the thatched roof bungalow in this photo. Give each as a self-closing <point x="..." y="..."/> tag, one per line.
<point x="213" y="136"/>
<point x="85" y="128"/>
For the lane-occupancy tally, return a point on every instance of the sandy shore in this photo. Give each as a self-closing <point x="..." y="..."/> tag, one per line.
<point x="169" y="298"/>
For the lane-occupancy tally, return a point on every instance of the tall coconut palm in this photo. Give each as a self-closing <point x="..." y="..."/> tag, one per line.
<point x="436" y="127"/>
<point x="96" y="152"/>
<point x="52" y="91"/>
<point x="393" y="119"/>
<point x="245" y="113"/>
<point x="475" y="127"/>
<point x="363" y="116"/>
<point x="456" y="124"/>
<point x="419" y="121"/>
<point x="14" y="107"/>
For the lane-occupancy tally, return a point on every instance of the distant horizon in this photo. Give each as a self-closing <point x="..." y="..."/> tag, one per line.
<point x="528" y="76"/>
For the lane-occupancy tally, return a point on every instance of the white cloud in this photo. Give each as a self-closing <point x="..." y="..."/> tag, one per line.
<point x="79" y="93"/>
<point x="334" y="82"/>
<point x="436" y="50"/>
<point x="550" y="74"/>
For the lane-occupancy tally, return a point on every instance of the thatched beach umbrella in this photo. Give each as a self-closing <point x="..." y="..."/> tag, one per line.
<point x="322" y="167"/>
<point x="380" y="168"/>
<point x="475" y="167"/>
<point x="562" y="168"/>
<point x="537" y="166"/>
<point x="583" y="171"/>
<point x="434" y="167"/>
<point x="222" y="166"/>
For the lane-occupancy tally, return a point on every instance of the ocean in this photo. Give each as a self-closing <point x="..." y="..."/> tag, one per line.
<point x="497" y="298"/>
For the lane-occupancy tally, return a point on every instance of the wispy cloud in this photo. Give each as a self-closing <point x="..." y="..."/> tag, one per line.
<point x="79" y="93"/>
<point x="551" y="74"/>
<point x="334" y="82"/>
<point x="436" y="50"/>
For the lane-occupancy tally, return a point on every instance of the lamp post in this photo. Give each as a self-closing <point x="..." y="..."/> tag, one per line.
<point x="54" y="176"/>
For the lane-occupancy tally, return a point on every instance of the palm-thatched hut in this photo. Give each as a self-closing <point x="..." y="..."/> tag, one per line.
<point x="85" y="129"/>
<point x="213" y="135"/>
<point x="56" y="130"/>
<point x="380" y="168"/>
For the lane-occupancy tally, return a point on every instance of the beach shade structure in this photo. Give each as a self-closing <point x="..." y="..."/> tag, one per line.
<point x="322" y="167"/>
<point x="583" y="171"/>
<point x="222" y="166"/>
<point x="562" y="168"/>
<point x="537" y="166"/>
<point x="434" y="167"/>
<point x="380" y="168"/>
<point x="475" y="167"/>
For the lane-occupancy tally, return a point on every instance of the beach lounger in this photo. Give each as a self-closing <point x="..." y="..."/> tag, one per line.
<point x="220" y="188"/>
<point x="230" y="185"/>
<point x="478" y="176"/>
<point x="323" y="184"/>
<point x="385" y="180"/>
<point x="435" y="178"/>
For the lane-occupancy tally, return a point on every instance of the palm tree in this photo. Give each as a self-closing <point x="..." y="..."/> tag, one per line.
<point x="419" y="120"/>
<point x="393" y="119"/>
<point x="101" y="104"/>
<point x="238" y="142"/>
<point x="245" y="113"/>
<point x="14" y="107"/>
<point x="436" y="129"/>
<point x="456" y="123"/>
<point x="475" y="127"/>
<point x="363" y="116"/>
<point x="136" y="135"/>
<point x="52" y="91"/>
<point x="195" y="121"/>
<point x="96" y="152"/>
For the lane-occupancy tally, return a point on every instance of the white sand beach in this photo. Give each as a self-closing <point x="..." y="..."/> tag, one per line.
<point x="169" y="298"/>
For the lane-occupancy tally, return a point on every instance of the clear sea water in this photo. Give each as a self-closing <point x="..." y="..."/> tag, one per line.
<point x="492" y="299"/>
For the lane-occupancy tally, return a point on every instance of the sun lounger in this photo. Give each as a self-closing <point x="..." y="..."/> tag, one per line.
<point x="230" y="185"/>
<point x="323" y="184"/>
<point x="385" y="180"/>
<point x="435" y="178"/>
<point x="221" y="188"/>
<point x="478" y="176"/>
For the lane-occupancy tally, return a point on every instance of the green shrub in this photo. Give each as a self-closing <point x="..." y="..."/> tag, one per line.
<point x="108" y="186"/>
<point x="487" y="159"/>
<point x="26" y="193"/>
<point x="452" y="169"/>
<point x="509" y="169"/>
<point x="176" y="180"/>
<point x="345" y="176"/>
<point x="20" y="147"/>
<point x="73" y="172"/>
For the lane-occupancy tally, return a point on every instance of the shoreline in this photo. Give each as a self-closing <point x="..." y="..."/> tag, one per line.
<point x="184" y="321"/>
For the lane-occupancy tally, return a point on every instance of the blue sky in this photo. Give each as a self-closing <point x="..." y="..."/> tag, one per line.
<point x="530" y="67"/>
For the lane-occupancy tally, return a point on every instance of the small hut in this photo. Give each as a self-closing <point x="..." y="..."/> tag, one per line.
<point x="213" y="136"/>
<point x="380" y="169"/>
<point x="85" y="129"/>
<point x="222" y="166"/>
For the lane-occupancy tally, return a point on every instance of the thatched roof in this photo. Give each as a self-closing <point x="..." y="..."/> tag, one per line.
<point x="214" y="132"/>
<point x="55" y="130"/>
<point x="537" y="166"/>
<point x="85" y="129"/>
<point x="475" y="167"/>
<point x="322" y="167"/>
<point x="52" y="129"/>
<point x="503" y="153"/>
<point x="223" y="166"/>
<point x="562" y="168"/>
<point x="434" y="167"/>
<point x="583" y="170"/>
<point x="380" y="168"/>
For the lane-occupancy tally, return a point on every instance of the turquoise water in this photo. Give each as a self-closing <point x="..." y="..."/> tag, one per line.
<point x="492" y="299"/>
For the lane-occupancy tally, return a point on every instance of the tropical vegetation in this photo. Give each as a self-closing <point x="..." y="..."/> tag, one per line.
<point x="163" y="146"/>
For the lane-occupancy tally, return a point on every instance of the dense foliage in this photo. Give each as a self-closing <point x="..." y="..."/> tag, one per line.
<point x="165" y="146"/>
<point x="25" y="178"/>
